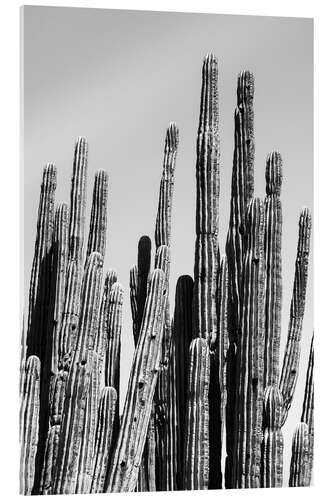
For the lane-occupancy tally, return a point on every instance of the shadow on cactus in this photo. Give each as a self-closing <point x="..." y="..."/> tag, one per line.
<point x="206" y="399"/>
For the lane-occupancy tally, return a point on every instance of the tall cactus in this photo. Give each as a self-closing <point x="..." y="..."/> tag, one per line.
<point x="299" y="462"/>
<point x="98" y="218"/>
<point x="273" y="298"/>
<point x="70" y="440"/>
<point x="250" y="354"/>
<point x="40" y="281"/>
<point x="78" y="200"/>
<point x="103" y="440"/>
<point x="272" y="448"/>
<point x="290" y="366"/>
<point x="29" y="422"/>
<point x="307" y="410"/>
<point x="196" y="461"/>
<point x="143" y="377"/>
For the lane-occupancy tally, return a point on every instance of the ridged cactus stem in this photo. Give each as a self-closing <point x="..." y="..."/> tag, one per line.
<point x="207" y="202"/>
<point x="196" y="462"/>
<point x="272" y="447"/>
<point x="290" y="366"/>
<point x="307" y="410"/>
<point x="103" y="440"/>
<point x="138" y="404"/>
<point x="29" y="424"/>
<point x="112" y="358"/>
<point x="98" y="218"/>
<point x="40" y="281"/>
<point x="273" y="298"/>
<point x="105" y="310"/>
<point x="50" y="457"/>
<point x="60" y="261"/>
<point x="69" y="463"/>
<point x="299" y="463"/>
<point x="182" y="338"/>
<point x="163" y="219"/>
<point x="242" y="187"/>
<point x="250" y="355"/>
<point x="143" y="268"/>
<point x="78" y="200"/>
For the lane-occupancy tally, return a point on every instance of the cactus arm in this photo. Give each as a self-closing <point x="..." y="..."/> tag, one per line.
<point x="290" y="366"/>
<point x="134" y="300"/>
<point x="272" y="449"/>
<point x="207" y="201"/>
<point x="143" y="264"/>
<point x="50" y="456"/>
<point x="98" y="218"/>
<point x="112" y="358"/>
<point x="77" y="386"/>
<point x="78" y="200"/>
<point x="106" y="415"/>
<point x="29" y="424"/>
<point x="250" y="354"/>
<point x="39" y="292"/>
<point x="143" y="377"/>
<point x="299" y="462"/>
<point x="307" y="410"/>
<point x="273" y="298"/>
<point x="196" y="463"/>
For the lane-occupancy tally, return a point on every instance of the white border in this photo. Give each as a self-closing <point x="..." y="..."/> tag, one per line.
<point x="323" y="226"/>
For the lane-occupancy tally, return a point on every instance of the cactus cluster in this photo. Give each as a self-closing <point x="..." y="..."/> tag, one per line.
<point x="206" y="403"/>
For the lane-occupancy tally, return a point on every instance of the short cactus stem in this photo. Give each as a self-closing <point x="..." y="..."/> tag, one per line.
<point x="307" y="411"/>
<point x="196" y="462"/>
<point x="78" y="200"/>
<point x="290" y="366"/>
<point x="40" y="281"/>
<point x="103" y="440"/>
<point x="273" y="298"/>
<point x="50" y="457"/>
<point x="60" y="261"/>
<point x="299" y="463"/>
<point x="101" y="339"/>
<point x="69" y="460"/>
<point x="143" y="266"/>
<point x="207" y="202"/>
<point x="139" y="399"/>
<point x="134" y="300"/>
<point x="250" y="355"/>
<point x="272" y="448"/>
<point x="98" y="218"/>
<point x="182" y="328"/>
<point x="29" y="424"/>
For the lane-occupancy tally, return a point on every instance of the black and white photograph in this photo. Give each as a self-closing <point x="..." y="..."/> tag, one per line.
<point x="167" y="320"/>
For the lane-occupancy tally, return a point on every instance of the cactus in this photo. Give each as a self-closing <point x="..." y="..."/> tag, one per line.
<point x="112" y="358"/>
<point x="78" y="200"/>
<point x="196" y="462"/>
<point x="98" y="218"/>
<point x="133" y="430"/>
<point x="29" y="422"/>
<point x="70" y="441"/>
<point x="299" y="462"/>
<point x="290" y="366"/>
<point x="307" y="410"/>
<point x="182" y="337"/>
<point x="103" y="440"/>
<point x="272" y="448"/>
<point x="273" y="299"/>
<point x="250" y="354"/>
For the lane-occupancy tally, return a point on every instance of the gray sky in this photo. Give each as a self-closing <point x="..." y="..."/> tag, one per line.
<point x="119" y="78"/>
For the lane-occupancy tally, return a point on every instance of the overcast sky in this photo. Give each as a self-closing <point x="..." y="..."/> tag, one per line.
<point x="119" y="78"/>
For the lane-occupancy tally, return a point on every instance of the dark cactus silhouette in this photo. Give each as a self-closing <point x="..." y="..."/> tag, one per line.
<point x="205" y="385"/>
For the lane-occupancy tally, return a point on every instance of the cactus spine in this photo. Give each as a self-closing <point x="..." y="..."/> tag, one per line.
<point x="273" y="298"/>
<point x="29" y="423"/>
<point x="272" y="449"/>
<point x="143" y="377"/>
<point x="250" y="354"/>
<point x="307" y="411"/>
<point x="196" y="463"/>
<point x="290" y="366"/>
<point x="299" y="463"/>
